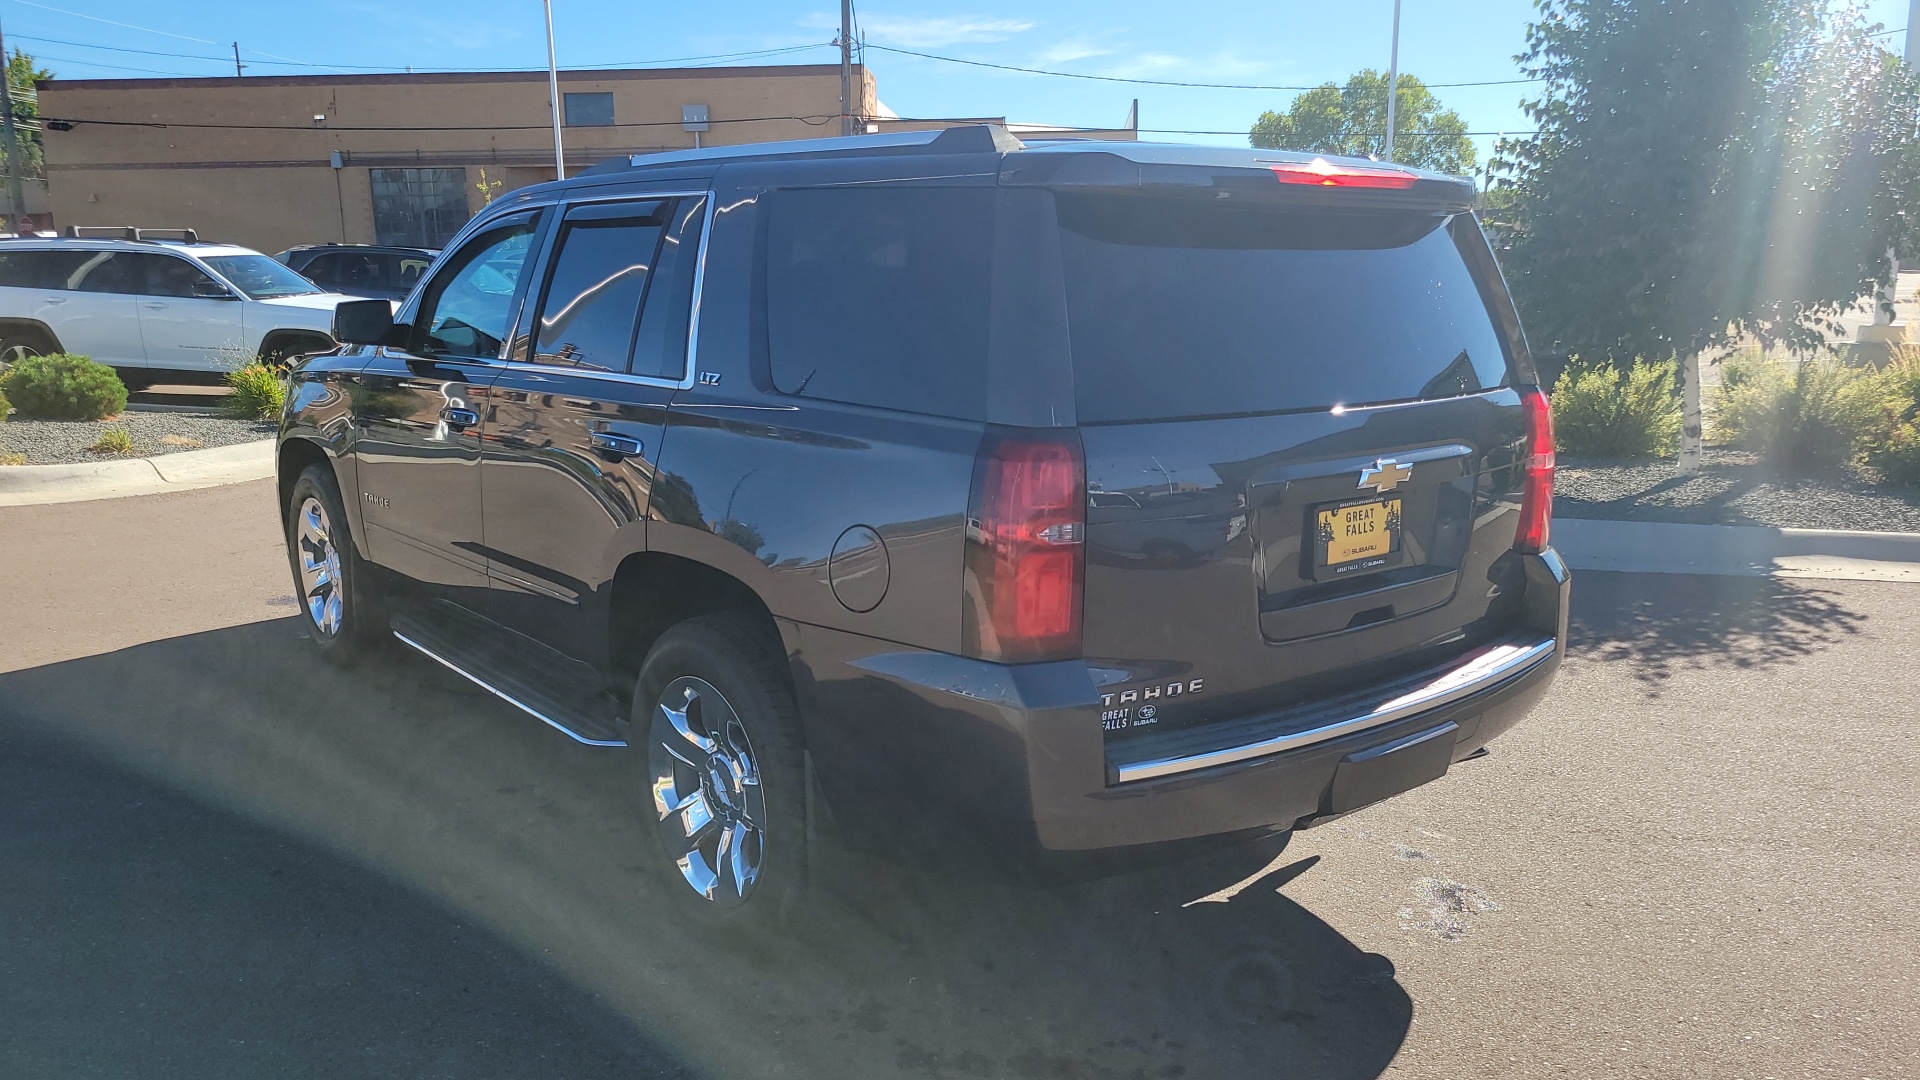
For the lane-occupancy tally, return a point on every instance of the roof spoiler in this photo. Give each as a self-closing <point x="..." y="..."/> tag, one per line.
<point x="961" y="139"/>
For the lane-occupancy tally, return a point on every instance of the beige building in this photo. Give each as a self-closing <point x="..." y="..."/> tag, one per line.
<point x="274" y="161"/>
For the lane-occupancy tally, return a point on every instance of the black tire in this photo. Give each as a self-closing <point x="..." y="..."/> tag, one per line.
<point x="16" y="345"/>
<point x="284" y="349"/>
<point x="737" y="658"/>
<point x="323" y="549"/>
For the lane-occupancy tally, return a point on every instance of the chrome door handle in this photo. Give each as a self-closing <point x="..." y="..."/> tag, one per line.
<point x="156" y="307"/>
<point x="624" y="445"/>
<point x="54" y="300"/>
<point x="459" y="418"/>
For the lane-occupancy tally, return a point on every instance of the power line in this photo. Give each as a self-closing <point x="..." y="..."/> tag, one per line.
<point x="395" y="68"/>
<point x="110" y="22"/>
<point x="1158" y="82"/>
<point x="74" y="121"/>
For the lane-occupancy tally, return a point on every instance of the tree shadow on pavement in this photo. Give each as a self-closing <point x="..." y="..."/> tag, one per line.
<point x="429" y="845"/>
<point x="1665" y="624"/>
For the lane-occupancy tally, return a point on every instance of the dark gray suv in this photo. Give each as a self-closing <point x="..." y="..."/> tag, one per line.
<point x="1024" y="498"/>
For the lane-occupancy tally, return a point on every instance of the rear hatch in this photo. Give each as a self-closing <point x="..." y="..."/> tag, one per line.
<point x="1302" y="441"/>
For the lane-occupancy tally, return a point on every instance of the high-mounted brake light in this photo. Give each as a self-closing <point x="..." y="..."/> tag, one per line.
<point x="1323" y="173"/>
<point x="1026" y="549"/>
<point x="1536" y="473"/>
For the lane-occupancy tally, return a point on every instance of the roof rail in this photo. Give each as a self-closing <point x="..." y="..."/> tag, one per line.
<point x="129" y="232"/>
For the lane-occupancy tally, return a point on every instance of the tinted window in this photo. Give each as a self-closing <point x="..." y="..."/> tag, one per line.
<point x="40" y="269"/>
<point x="409" y="270"/>
<point x="879" y="296"/>
<point x="261" y="277"/>
<point x="469" y="304"/>
<point x="350" y="270"/>
<point x="168" y="276"/>
<point x="661" y="350"/>
<point x="592" y="303"/>
<point x="107" y="272"/>
<point x="1179" y="308"/>
<point x="418" y="207"/>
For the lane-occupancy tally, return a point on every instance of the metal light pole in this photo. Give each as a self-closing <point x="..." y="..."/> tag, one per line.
<point x="1393" y="77"/>
<point x="553" y="98"/>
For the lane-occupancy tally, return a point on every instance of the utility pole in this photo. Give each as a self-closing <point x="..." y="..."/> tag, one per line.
<point x="13" y="142"/>
<point x="846" y="67"/>
<point x="553" y="98"/>
<point x="1393" y="78"/>
<point x="237" y="65"/>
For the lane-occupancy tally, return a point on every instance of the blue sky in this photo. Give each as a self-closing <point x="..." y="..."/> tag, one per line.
<point x="1276" y="42"/>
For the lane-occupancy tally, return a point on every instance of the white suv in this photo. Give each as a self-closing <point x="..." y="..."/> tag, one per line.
<point x="152" y="307"/>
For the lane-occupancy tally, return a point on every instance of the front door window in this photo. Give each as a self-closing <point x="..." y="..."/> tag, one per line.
<point x="469" y="305"/>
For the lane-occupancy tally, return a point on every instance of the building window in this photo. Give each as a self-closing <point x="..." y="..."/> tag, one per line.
<point x="589" y="110"/>
<point x="418" y="207"/>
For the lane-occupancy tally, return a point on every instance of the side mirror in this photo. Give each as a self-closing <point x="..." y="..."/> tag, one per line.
<point x="362" y="322"/>
<point x="212" y="290"/>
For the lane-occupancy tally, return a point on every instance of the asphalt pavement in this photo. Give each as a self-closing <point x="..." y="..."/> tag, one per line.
<point x="221" y="858"/>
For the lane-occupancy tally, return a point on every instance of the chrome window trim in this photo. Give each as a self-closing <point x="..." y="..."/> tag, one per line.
<point x="1479" y="670"/>
<point x="687" y="376"/>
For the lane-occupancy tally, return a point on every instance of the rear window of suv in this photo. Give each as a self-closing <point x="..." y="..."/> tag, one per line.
<point x="879" y="296"/>
<point x="1180" y="308"/>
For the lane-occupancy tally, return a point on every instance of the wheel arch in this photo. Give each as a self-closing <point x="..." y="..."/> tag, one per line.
<point x="16" y="325"/>
<point x="654" y="590"/>
<point x="293" y="339"/>
<point x="294" y="457"/>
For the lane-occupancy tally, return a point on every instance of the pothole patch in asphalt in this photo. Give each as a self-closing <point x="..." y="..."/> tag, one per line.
<point x="1446" y="908"/>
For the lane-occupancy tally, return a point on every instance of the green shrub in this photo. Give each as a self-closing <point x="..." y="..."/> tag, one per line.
<point x="1806" y="415"/>
<point x="1600" y="411"/>
<point x="117" y="441"/>
<point x="63" y="387"/>
<point x="1902" y="380"/>
<point x="258" y="392"/>
<point x="5" y="405"/>
<point x="1898" y="456"/>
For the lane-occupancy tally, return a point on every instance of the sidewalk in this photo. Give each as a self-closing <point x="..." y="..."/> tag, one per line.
<point x="1654" y="547"/>
<point x="30" y="485"/>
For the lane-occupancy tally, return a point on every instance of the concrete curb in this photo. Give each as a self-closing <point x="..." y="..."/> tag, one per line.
<point x="31" y="485"/>
<point x="1657" y="547"/>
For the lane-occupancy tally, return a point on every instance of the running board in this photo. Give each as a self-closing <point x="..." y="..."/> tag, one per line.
<point x="516" y="669"/>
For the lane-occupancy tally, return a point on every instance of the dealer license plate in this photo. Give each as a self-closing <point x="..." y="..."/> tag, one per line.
<point x="1358" y="535"/>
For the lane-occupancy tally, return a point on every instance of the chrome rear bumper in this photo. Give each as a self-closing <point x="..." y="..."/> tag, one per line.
<point x="1480" y="670"/>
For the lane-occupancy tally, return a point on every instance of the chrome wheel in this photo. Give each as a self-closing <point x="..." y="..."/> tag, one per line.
<point x="320" y="585"/>
<point x="706" y="791"/>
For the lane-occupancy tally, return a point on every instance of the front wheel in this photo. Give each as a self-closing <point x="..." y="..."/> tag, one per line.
<point x="325" y="569"/>
<point x="719" y="753"/>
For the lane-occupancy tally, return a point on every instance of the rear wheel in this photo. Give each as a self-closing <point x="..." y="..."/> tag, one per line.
<point x="17" y="345"/>
<point x="325" y="569"/>
<point x="717" y="746"/>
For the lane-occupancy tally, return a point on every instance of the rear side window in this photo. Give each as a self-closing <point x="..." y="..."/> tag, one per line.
<point x="1179" y="308"/>
<point x="591" y="309"/>
<point x="879" y="296"/>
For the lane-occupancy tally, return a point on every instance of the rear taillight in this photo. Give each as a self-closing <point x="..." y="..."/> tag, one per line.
<point x="1025" y="548"/>
<point x="1536" y="473"/>
<point x="1323" y="173"/>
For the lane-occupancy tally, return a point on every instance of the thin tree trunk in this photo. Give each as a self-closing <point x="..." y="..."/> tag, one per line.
<point x="1692" y="444"/>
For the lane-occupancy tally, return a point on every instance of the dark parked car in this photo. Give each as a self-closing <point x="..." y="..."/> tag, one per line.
<point x="380" y="272"/>
<point x="1025" y="498"/>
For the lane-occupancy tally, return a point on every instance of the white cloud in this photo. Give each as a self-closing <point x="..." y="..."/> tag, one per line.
<point x="1066" y="52"/>
<point x="928" y="32"/>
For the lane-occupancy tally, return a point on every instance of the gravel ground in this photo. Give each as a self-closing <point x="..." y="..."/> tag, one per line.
<point x="49" y="442"/>
<point x="1733" y="489"/>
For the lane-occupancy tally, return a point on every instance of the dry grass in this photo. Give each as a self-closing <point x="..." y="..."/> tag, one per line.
<point x="115" y="441"/>
<point x="9" y="457"/>
<point x="182" y="442"/>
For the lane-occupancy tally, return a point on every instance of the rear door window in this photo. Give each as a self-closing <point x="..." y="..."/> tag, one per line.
<point x="590" y="309"/>
<point x="1180" y="308"/>
<point x="879" y="296"/>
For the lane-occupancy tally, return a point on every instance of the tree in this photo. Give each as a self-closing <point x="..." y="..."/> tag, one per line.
<point x="22" y="72"/>
<point x="1353" y="120"/>
<point x="1703" y="170"/>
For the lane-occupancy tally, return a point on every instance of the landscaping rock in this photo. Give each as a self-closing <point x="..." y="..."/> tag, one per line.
<point x="52" y="442"/>
<point x="1732" y="489"/>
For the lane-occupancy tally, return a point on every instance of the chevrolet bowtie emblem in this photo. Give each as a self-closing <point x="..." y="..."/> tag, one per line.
<point x="1385" y="475"/>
